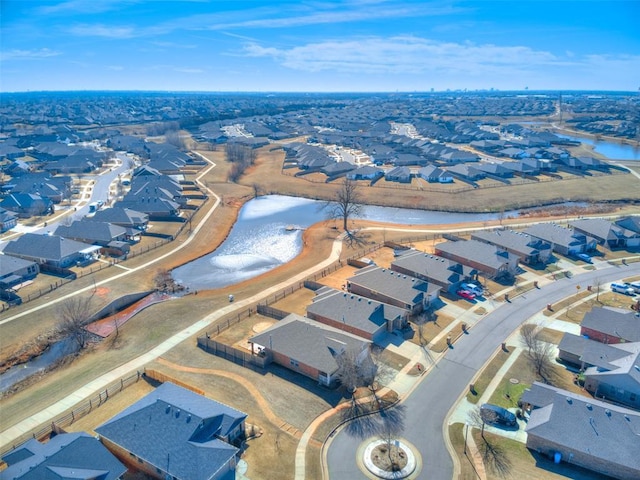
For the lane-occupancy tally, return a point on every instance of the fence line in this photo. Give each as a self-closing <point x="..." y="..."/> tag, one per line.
<point x="237" y="356"/>
<point x="76" y="413"/>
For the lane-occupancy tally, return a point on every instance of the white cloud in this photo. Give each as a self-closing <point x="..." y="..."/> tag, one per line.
<point x="99" y="30"/>
<point x="29" y="54"/>
<point x="414" y="55"/>
<point x="83" y="6"/>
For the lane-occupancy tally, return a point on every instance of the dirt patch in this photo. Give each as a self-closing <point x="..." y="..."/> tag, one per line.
<point x="261" y="326"/>
<point x="389" y="458"/>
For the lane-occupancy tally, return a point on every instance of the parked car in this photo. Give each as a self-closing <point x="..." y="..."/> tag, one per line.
<point x="635" y="286"/>
<point x="584" y="257"/>
<point x="497" y="415"/>
<point x="623" y="288"/>
<point x="466" y="294"/>
<point x="477" y="290"/>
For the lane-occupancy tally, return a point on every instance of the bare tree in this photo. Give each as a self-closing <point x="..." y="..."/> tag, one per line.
<point x="391" y="426"/>
<point x="256" y="190"/>
<point x="347" y="203"/>
<point x="163" y="281"/>
<point x="420" y="321"/>
<point x="541" y="358"/>
<point x="529" y="336"/>
<point x="355" y="369"/>
<point x="74" y="315"/>
<point x="539" y="352"/>
<point x="597" y="283"/>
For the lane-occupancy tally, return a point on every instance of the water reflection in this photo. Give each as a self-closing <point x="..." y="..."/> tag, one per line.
<point x="612" y="150"/>
<point x="268" y="233"/>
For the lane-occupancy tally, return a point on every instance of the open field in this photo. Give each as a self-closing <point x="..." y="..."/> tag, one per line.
<point x="269" y="175"/>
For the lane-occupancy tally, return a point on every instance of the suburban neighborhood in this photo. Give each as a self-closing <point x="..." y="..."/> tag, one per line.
<point x="293" y="372"/>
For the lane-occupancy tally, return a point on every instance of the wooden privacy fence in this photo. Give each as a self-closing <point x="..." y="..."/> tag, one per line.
<point x="76" y="413"/>
<point x="233" y="354"/>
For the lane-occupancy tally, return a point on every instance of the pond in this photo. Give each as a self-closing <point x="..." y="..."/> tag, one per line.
<point x="612" y="150"/>
<point x="268" y="233"/>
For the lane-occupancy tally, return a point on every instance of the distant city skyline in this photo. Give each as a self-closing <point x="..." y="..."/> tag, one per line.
<point x="326" y="46"/>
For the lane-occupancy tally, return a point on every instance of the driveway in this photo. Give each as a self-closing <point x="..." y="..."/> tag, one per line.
<point x="429" y="404"/>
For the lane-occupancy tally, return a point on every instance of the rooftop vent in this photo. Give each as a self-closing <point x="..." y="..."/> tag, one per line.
<point x="569" y="401"/>
<point x="607" y="412"/>
<point x="177" y="413"/>
<point x="589" y="406"/>
<point x="168" y="409"/>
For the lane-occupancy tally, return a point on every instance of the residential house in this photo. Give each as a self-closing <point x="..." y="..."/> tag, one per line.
<point x="565" y="241"/>
<point x="125" y="217"/>
<point x="445" y="273"/>
<point x="608" y="325"/>
<point x="77" y="456"/>
<point x="630" y="223"/>
<point x="607" y="233"/>
<point x="355" y="314"/>
<point x="155" y="208"/>
<point x="8" y="220"/>
<point x="337" y="169"/>
<point x="50" y="250"/>
<point x="407" y="159"/>
<point x="583" y="431"/>
<point x="489" y="259"/>
<point x="366" y="172"/>
<point x="433" y="174"/>
<point x="393" y="288"/>
<point x="14" y="270"/>
<point x="398" y="174"/>
<point x="466" y="172"/>
<point x="55" y="189"/>
<point x="495" y="169"/>
<point x="27" y="205"/>
<point x="309" y="347"/>
<point x="529" y="249"/>
<point x="113" y="239"/>
<point x="173" y="432"/>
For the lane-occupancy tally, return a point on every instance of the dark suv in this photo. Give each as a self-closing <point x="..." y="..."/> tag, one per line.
<point x="495" y="414"/>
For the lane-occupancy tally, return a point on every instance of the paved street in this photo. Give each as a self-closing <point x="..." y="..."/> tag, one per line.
<point x="430" y="403"/>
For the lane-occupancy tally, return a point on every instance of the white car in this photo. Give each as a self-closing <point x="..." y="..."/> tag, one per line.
<point x="623" y="288"/>
<point x="473" y="288"/>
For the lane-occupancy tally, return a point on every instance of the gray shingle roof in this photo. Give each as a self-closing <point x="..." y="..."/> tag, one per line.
<point x="359" y="312"/>
<point x="94" y="232"/>
<point x="442" y="271"/>
<point x="49" y="247"/>
<point x="555" y="234"/>
<point x="614" y="323"/>
<point x="184" y="427"/>
<point x="75" y="456"/>
<point x="309" y="342"/>
<point x="599" y="429"/>
<point x="509" y="239"/>
<point x="478" y="252"/>
<point x="404" y="288"/>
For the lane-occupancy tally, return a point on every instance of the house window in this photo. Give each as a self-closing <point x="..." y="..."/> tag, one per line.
<point x="294" y="363"/>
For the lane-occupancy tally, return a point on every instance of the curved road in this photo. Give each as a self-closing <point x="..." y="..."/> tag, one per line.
<point x="429" y="404"/>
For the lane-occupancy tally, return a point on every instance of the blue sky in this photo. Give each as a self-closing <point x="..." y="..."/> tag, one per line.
<point x="318" y="45"/>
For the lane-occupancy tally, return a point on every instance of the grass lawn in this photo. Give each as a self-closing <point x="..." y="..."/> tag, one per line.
<point x="507" y="393"/>
<point x="488" y="373"/>
<point x="605" y="299"/>
<point x="296" y="302"/>
<point x="430" y="330"/>
<point x="517" y="461"/>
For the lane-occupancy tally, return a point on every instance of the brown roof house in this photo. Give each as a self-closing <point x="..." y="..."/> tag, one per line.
<point x="308" y="347"/>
